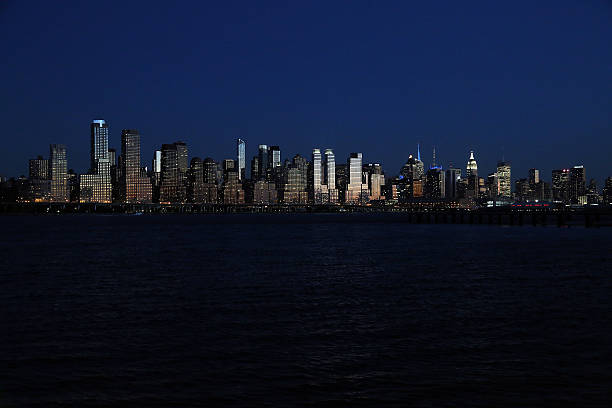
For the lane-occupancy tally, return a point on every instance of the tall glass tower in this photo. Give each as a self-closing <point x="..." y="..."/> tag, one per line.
<point x="58" y="172"/>
<point x="316" y="171"/>
<point x="241" y="153"/>
<point x="97" y="186"/>
<point x="99" y="144"/>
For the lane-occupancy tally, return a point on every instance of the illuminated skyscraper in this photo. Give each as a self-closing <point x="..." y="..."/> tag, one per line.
<point x="173" y="173"/>
<point x="99" y="144"/>
<point x="274" y="157"/>
<point x="472" y="167"/>
<point x="560" y="185"/>
<point x="241" y="153"/>
<point x="295" y="181"/>
<point x="435" y="183"/>
<point x="356" y="189"/>
<point x="135" y="186"/>
<point x="318" y="194"/>
<point x="504" y="178"/>
<point x="58" y="172"/>
<point x="375" y="179"/>
<point x="329" y="175"/>
<point x="210" y="181"/>
<point x="39" y="184"/>
<point x="96" y="186"/>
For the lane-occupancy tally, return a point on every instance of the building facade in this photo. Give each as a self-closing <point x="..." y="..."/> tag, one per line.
<point x="58" y="173"/>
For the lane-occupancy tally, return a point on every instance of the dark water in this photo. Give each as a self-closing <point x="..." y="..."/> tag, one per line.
<point x="303" y="310"/>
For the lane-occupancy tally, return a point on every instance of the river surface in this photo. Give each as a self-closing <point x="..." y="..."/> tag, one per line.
<point x="301" y="310"/>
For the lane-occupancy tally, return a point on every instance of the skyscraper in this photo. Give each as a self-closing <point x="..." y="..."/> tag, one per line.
<point x="376" y="180"/>
<point x="241" y="153"/>
<point x="492" y="186"/>
<point x="96" y="186"/>
<point x="534" y="178"/>
<point x="39" y="183"/>
<point x="195" y="190"/>
<point x="173" y="173"/>
<point x="295" y="181"/>
<point x="504" y="177"/>
<point x="210" y="181"/>
<point x="135" y="186"/>
<point x="263" y="162"/>
<point x="472" y="167"/>
<point x="356" y="189"/>
<point x="255" y="168"/>
<point x="182" y="157"/>
<point x="274" y="157"/>
<point x="329" y="175"/>
<point x="317" y="178"/>
<point x="58" y="172"/>
<point x="452" y="180"/>
<point x="98" y="144"/>
<point x="577" y="185"/>
<point x="435" y="183"/>
<point x="560" y="185"/>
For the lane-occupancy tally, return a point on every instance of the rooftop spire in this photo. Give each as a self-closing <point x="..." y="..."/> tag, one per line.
<point x="418" y="152"/>
<point x="433" y="164"/>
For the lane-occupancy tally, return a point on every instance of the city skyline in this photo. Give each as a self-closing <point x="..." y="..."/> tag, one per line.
<point x="243" y="152"/>
<point x="488" y="163"/>
<point x="176" y="176"/>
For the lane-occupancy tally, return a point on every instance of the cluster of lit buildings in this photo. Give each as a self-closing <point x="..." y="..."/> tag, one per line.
<point x="174" y="178"/>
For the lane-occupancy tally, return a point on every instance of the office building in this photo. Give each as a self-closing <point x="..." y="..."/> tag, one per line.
<point x="39" y="185"/>
<point x="357" y="186"/>
<point x="329" y="175"/>
<point x="295" y="181"/>
<point x="135" y="187"/>
<point x="255" y="168"/>
<point x="263" y="162"/>
<point x="577" y="185"/>
<point x="376" y="180"/>
<point x="231" y="190"/>
<point x="504" y="178"/>
<point x="435" y="183"/>
<point x="241" y="155"/>
<point x="58" y="173"/>
<point x="452" y="180"/>
<point x="173" y="187"/>
<point x="265" y="193"/>
<point x="534" y="178"/>
<point x="96" y="186"/>
<point x="319" y="190"/>
<point x="560" y="185"/>
<point x="274" y="155"/>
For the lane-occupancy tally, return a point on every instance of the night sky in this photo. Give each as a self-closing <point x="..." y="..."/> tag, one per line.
<point x="530" y="80"/>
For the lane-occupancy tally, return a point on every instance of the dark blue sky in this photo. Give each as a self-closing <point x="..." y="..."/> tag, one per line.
<point x="533" y="79"/>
